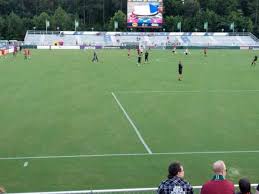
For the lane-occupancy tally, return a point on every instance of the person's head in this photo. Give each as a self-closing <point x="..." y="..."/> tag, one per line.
<point x="175" y="169"/>
<point x="244" y="186"/>
<point x="219" y="168"/>
<point x="2" y="190"/>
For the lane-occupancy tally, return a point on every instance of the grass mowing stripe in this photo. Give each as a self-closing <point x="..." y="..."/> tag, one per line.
<point x="136" y="154"/>
<point x="132" y="124"/>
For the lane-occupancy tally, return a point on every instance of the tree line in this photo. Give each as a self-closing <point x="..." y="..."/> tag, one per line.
<point x="18" y="16"/>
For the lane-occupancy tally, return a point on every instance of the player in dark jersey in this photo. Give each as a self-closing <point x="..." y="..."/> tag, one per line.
<point x="95" y="58"/>
<point x="139" y="58"/>
<point x="254" y="61"/>
<point x="146" y="56"/>
<point x="180" y="71"/>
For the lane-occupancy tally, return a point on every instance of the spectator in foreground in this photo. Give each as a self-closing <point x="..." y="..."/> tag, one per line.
<point x="257" y="189"/>
<point x="2" y="190"/>
<point x="175" y="183"/>
<point x="218" y="184"/>
<point x="244" y="186"/>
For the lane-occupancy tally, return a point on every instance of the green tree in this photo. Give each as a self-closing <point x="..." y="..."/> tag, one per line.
<point x="224" y="7"/>
<point x="240" y="21"/>
<point x="2" y="26"/>
<point x="14" y="27"/>
<point x="119" y="17"/>
<point x="62" y="20"/>
<point x="191" y="7"/>
<point x="173" y="7"/>
<point x="171" y="23"/>
<point x="206" y="16"/>
<point x="40" y="21"/>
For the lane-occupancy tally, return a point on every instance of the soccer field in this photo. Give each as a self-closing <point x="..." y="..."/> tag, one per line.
<point x="70" y="124"/>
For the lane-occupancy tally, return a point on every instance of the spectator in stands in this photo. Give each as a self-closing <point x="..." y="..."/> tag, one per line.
<point x="218" y="184"/>
<point x="2" y="190"/>
<point x="175" y="183"/>
<point x="244" y="186"/>
<point x="257" y="189"/>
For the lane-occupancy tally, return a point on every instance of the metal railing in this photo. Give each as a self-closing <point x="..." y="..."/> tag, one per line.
<point x="117" y="191"/>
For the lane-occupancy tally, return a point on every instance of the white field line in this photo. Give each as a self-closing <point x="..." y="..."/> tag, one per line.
<point x="132" y="124"/>
<point x="185" y="91"/>
<point x="133" y="154"/>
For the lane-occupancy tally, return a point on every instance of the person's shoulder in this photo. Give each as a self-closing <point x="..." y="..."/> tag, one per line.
<point x="209" y="182"/>
<point x="164" y="183"/>
<point x="187" y="183"/>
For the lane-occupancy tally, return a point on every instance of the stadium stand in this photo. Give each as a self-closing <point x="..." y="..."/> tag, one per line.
<point x="162" y="39"/>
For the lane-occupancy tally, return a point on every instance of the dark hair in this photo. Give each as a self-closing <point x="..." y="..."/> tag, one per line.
<point x="244" y="185"/>
<point x="174" y="169"/>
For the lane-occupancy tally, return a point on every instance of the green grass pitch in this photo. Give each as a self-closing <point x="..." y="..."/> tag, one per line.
<point x="59" y="103"/>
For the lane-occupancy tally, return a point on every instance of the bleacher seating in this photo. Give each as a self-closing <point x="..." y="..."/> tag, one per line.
<point x="70" y="38"/>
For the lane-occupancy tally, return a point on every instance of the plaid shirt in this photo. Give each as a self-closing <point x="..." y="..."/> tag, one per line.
<point x="175" y="185"/>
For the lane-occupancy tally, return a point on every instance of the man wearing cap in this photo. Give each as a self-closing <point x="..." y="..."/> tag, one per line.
<point x="218" y="184"/>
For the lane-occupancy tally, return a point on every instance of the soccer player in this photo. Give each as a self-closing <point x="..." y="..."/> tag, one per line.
<point x="186" y="52"/>
<point x="28" y="53"/>
<point x="146" y="56"/>
<point x="138" y="50"/>
<point x="3" y="52"/>
<point x="139" y="58"/>
<point x="95" y="58"/>
<point x="180" y="71"/>
<point x="205" y="52"/>
<point x="254" y="61"/>
<point x="25" y="53"/>
<point x="15" y="51"/>
<point x="129" y="53"/>
<point x="174" y="49"/>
